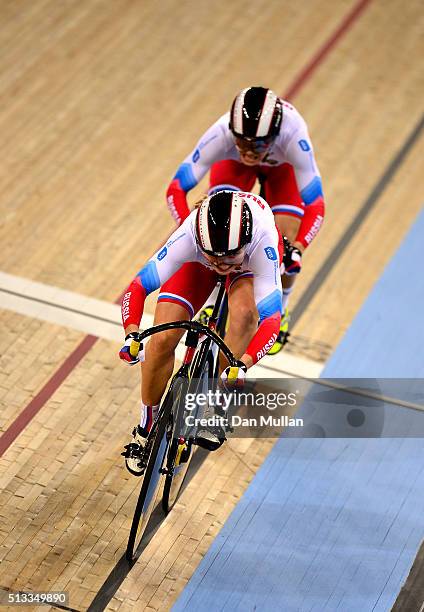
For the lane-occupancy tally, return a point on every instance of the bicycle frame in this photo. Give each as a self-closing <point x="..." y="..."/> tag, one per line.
<point x="159" y="443"/>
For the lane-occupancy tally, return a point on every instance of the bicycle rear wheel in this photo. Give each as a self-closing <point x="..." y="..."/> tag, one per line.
<point x="181" y="451"/>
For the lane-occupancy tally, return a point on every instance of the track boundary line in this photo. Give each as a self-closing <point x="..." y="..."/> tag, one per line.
<point x="359" y="218"/>
<point x="77" y="311"/>
<point x="103" y="319"/>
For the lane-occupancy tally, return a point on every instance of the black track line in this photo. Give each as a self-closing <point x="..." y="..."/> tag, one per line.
<point x="358" y="220"/>
<point x="60" y="307"/>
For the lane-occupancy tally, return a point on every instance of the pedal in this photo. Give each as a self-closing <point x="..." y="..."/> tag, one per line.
<point x="209" y="440"/>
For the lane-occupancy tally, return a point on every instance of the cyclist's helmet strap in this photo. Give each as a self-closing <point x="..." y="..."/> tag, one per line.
<point x="223" y="224"/>
<point x="256" y="112"/>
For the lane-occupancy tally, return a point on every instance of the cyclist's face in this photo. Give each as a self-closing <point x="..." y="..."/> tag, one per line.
<point x="252" y="152"/>
<point x="228" y="264"/>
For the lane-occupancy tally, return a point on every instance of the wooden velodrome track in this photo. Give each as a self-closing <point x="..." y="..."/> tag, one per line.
<point x="99" y="103"/>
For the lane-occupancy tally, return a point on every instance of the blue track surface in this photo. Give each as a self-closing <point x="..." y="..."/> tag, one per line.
<point x="333" y="524"/>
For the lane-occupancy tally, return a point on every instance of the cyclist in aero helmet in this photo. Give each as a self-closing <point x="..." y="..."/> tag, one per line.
<point x="262" y="138"/>
<point x="232" y="233"/>
<point x="223" y="224"/>
<point x="255" y="121"/>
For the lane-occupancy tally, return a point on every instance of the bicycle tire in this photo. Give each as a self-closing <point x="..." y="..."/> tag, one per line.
<point x="150" y="486"/>
<point x="174" y="480"/>
<point x="175" y="477"/>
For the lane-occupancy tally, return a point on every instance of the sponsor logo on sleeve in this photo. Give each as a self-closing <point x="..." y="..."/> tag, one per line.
<point x="271" y="253"/>
<point x="196" y="156"/>
<point x="162" y="254"/>
<point x="304" y="145"/>
<point x="204" y="143"/>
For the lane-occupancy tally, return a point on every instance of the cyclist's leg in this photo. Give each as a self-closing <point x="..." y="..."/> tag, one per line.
<point x="243" y="314"/>
<point x="159" y="363"/>
<point x="155" y="372"/>
<point x="179" y="299"/>
<point x="231" y="174"/>
<point x="243" y="320"/>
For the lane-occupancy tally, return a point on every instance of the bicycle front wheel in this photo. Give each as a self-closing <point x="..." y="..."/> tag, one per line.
<point x="149" y="492"/>
<point x="148" y="495"/>
<point x="177" y="472"/>
<point x="179" y="451"/>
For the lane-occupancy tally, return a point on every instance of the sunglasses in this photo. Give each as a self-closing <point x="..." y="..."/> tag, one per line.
<point x="254" y="144"/>
<point x="228" y="259"/>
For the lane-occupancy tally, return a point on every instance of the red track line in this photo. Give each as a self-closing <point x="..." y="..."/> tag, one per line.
<point x="345" y="25"/>
<point x="28" y="413"/>
<point x="35" y="405"/>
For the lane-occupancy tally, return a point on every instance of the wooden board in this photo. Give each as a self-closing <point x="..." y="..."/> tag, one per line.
<point x="99" y="103"/>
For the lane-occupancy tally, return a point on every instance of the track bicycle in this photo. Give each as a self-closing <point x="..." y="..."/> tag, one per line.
<point x="169" y="445"/>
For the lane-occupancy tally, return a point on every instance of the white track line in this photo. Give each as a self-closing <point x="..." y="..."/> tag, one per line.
<point x="103" y="319"/>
